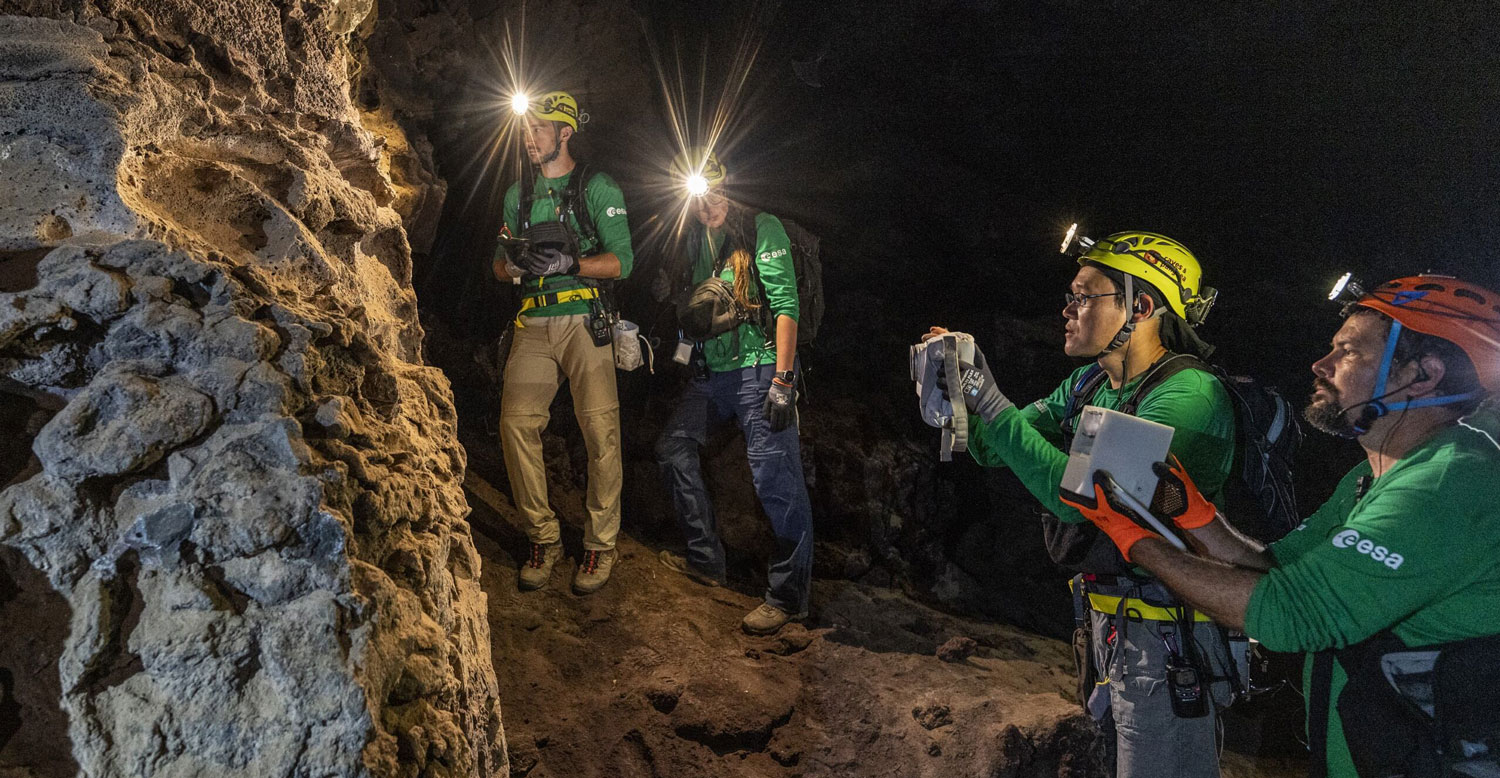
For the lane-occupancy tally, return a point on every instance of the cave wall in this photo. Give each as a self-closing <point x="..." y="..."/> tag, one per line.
<point x="243" y="485"/>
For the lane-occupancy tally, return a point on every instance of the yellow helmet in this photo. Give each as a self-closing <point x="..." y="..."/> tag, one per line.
<point x="557" y="107"/>
<point x="698" y="169"/>
<point x="1162" y="262"/>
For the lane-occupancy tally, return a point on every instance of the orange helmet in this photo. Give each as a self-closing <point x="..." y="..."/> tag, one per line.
<point x="1465" y="314"/>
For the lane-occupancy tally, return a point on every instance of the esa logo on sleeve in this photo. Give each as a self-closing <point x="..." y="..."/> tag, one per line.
<point x="1350" y="539"/>
<point x="613" y="211"/>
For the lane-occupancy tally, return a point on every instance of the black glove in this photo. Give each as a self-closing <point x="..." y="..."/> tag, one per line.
<point x="980" y="394"/>
<point x="781" y="404"/>
<point x="548" y="261"/>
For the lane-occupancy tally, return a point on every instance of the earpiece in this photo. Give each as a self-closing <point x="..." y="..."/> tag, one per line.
<point x="1367" y="416"/>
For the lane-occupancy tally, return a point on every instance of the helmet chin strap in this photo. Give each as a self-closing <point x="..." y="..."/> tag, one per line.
<point x="556" y="144"/>
<point x="1123" y="336"/>
<point x="1375" y="407"/>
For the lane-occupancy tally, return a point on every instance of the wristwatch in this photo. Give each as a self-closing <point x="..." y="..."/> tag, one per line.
<point x="787" y="376"/>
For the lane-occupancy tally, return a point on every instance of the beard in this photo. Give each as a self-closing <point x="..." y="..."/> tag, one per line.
<point x="1326" y="414"/>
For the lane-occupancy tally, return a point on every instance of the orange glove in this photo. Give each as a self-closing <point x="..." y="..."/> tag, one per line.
<point x="1178" y="498"/>
<point x="1116" y="521"/>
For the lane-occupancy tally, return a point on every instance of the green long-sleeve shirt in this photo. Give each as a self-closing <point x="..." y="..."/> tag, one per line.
<point x="1419" y="554"/>
<point x="749" y="346"/>
<point x="1027" y="439"/>
<point x="606" y="204"/>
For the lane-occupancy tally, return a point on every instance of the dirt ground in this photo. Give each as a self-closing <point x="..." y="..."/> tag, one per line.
<point x="651" y="676"/>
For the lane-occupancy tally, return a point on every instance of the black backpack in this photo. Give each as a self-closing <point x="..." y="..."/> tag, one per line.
<point x="808" y="267"/>
<point x="1262" y="501"/>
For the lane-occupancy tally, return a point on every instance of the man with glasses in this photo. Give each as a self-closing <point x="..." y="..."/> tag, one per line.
<point x="1130" y="309"/>
<point x="1392" y="586"/>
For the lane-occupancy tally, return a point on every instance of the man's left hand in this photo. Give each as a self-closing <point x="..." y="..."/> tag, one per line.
<point x="1117" y="521"/>
<point x="548" y="262"/>
<point x="781" y="404"/>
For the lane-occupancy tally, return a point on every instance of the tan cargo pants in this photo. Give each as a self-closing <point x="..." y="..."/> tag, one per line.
<point x="542" y="353"/>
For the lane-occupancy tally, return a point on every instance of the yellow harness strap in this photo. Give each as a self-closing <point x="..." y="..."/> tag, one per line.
<point x="1110" y="604"/>
<point x="1136" y="608"/>
<point x="554" y="298"/>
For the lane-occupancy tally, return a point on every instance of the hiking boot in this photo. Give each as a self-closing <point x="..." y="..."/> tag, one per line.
<point x="538" y="568"/>
<point x="593" y="571"/>
<point x="679" y="563"/>
<point x="767" y="619"/>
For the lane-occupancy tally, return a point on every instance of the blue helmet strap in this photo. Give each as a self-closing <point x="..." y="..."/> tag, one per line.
<point x="1385" y="361"/>
<point x="1376" y="408"/>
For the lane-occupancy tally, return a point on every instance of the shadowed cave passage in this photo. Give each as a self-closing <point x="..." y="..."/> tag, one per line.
<point x="33" y="727"/>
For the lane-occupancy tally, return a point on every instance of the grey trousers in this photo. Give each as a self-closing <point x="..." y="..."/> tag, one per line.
<point x="1150" y="740"/>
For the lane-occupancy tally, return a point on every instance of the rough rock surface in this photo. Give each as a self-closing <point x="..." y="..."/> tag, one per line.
<point x="651" y="676"/>
<point x="245" y="491"/>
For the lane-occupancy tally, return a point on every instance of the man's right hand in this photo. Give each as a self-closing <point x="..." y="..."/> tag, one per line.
<point x="979" y="392"/>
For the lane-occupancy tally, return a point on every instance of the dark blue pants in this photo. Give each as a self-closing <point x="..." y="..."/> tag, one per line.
<point x="775" y="467"/>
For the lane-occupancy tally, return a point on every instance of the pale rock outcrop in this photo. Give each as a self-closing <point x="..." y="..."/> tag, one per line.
<point x="246" y="485"/>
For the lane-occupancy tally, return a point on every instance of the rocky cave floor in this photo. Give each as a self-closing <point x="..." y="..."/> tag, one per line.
<point x="651" y="676"/>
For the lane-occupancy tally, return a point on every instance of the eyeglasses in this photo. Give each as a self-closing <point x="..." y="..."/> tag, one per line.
<point x="1082" y="300"/>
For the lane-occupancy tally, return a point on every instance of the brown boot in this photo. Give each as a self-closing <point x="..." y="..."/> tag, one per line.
<point x="538" y="568"/>
<point x="594" y="570"/>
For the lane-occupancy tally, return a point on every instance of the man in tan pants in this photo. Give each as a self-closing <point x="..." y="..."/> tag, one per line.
<point x="561" y="333"/>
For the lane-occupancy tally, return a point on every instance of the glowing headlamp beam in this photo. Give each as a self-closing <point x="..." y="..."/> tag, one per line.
<point x="1347" y="288"/>
<point x="520" y="104"/>
<point x="697" y="185"/>
<point x="1338" y="287"/>
<point x="1074" y="244"/>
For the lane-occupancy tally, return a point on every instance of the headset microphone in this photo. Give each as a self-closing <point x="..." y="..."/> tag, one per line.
<point x="1374" y="408"/>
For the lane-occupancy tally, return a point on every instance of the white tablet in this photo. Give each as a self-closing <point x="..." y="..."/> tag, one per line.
<point x="1125" y="446"/>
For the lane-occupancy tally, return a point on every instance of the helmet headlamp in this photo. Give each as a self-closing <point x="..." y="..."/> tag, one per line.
<point x="520" y="104"/>
<point x="1347" y="289"/>
<point x="698" y="170"/>
<point x="1075" y="245"/>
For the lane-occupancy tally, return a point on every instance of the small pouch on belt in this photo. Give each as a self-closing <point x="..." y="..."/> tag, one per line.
<point x="1083" y="644"/>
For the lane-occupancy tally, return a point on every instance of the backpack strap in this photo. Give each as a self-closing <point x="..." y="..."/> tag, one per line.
<point x="767" y="323"/>
<point x="1165" y="368"/>
<point x="1083" y="391"/>
<point x="575" y="200"/>
<point x="1092" y="378"/>
<point x="524" y="202"/>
